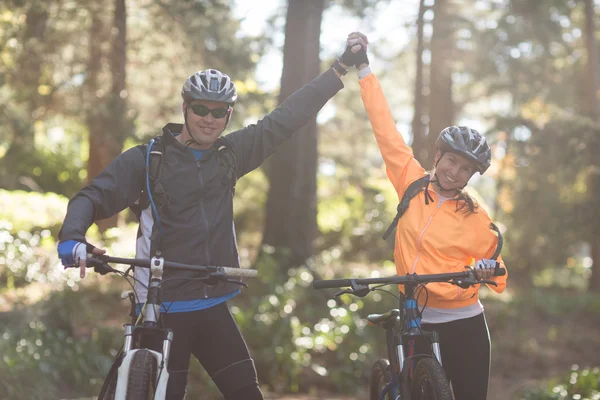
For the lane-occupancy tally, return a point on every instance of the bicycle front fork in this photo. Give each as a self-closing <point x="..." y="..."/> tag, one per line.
<point x="435" y="347"/>
<point x="166" y="346"/>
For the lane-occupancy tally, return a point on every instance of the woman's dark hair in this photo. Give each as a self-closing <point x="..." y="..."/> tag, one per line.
<point x="465" y="203"/>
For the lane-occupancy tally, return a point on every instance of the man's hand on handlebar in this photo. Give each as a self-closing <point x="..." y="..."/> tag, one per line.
<point x="73" y="253"/>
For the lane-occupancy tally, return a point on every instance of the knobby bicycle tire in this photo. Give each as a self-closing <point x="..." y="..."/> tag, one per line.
<point x="429" y="381"/>
<point x="142" y="376"/>
<point x="380" y="376"/>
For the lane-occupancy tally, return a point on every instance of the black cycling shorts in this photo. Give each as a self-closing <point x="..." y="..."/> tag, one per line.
<point x="213" y="337"/>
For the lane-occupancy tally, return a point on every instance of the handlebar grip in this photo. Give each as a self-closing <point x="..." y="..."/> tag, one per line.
<point x="333" y="283"/>
<point x="499" y="271"/>
<point x="92" y="260"/>
<point x="241" y="272"/>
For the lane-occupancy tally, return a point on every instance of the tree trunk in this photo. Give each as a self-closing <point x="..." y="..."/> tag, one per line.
<point x="441" y="107"/>
<point x="593" y="87"/>
<point x="291" y="217"/>
<point x="96" y="112"/>
<point x="27" y="80"/>
<point x="31" y="62"/>
<point x="418" y="128"/>
<point x="592" y="52"/>
<point x="108" y="144"/>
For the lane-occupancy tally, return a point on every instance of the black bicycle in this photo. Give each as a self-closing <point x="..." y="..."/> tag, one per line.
<point x="418" y="376"/>
<point x="140" y="368"/>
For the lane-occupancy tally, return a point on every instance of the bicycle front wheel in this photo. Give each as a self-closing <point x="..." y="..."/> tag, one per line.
<point x="380" y="376"/>
<point x="142" y="376"/>
<point x="429" y="381"/>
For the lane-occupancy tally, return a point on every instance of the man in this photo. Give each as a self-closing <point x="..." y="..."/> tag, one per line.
<point x="188" y="215"/>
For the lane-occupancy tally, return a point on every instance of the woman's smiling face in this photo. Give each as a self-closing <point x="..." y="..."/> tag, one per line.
<point x="453" y="171"/>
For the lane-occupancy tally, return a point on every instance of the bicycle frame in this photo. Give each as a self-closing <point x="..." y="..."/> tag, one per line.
<point x="146" y="334"/>
<point x="401" y="326"/>
<point x="143" y="336"/>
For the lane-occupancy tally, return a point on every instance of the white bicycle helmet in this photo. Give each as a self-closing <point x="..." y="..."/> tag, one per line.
<point x="209" y="85"/>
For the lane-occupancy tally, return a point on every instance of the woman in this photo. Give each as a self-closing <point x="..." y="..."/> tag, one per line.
<point x="442" y="231"/>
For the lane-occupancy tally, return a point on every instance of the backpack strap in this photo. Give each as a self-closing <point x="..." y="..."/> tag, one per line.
<point x="224" y="151"/>
<point x="153" y="174"/>
<point x="159" y="196"/>
<point x="411" y="191"/>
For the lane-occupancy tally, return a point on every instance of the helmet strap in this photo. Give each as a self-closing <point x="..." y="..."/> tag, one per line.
<point x="228" y="115"/>
<point x="187" y="126"/>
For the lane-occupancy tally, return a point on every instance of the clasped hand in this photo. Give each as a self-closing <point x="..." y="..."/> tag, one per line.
<point x="355" y="52"/>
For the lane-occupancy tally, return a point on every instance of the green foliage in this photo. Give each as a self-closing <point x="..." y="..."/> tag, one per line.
<point x="52" y="342"/>
<point x="554" y="302"/>
<point x="38" y="363"/>
<point x="301" y="338"/>
<point x="566" y="198"/>
<point x="580" y="384"/>
<point x="57" y="347"/>
<point x="27" y="248"/>
<point x="30" y="211"/>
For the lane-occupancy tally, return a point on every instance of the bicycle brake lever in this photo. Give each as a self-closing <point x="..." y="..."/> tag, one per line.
<point x="341" y="292"/>
<point x="464" y="283"/>
<point x="103" y="269"/>
<point x="98" y="262"/>
<point x="236" y="282"/>
<point x="214" y="277"/>
<point x="359" y="290"/>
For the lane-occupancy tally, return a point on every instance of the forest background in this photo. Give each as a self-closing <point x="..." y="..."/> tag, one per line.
<point x="82" y="80"/>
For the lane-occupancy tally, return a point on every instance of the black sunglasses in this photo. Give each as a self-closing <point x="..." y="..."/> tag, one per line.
<point x="203" y="111"/>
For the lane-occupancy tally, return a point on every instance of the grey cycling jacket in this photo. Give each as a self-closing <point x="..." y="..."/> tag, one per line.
<point x="197" y="222"/>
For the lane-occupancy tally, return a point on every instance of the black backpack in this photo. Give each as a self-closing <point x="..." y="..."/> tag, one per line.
<point x="153" y="172"/>
<point x="411" y="191"/>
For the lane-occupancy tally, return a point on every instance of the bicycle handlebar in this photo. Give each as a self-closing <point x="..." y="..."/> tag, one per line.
<point x="401" y="280"/>
<point x="414" y="278"/>
<point x="100" y="261"/>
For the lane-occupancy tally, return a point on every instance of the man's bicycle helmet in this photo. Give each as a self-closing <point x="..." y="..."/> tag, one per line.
<point x="468" y="143"/>
<point x="209" y="85"/>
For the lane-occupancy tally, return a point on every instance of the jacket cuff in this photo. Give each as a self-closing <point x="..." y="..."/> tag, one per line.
<point x="364" y="72"/>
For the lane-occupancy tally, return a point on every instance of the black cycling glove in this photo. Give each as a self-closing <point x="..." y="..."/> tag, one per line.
<point x="349" y="58"/>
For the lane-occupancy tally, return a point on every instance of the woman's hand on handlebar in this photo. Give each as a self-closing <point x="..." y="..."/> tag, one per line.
<point x="484" y="268"/>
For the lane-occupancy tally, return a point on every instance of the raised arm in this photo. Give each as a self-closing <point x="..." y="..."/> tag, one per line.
<point x="257" y="142"/>
<point x="401" y="166"/>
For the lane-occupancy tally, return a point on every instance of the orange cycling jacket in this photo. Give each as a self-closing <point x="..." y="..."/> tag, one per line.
<point x="434" y="238"/>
